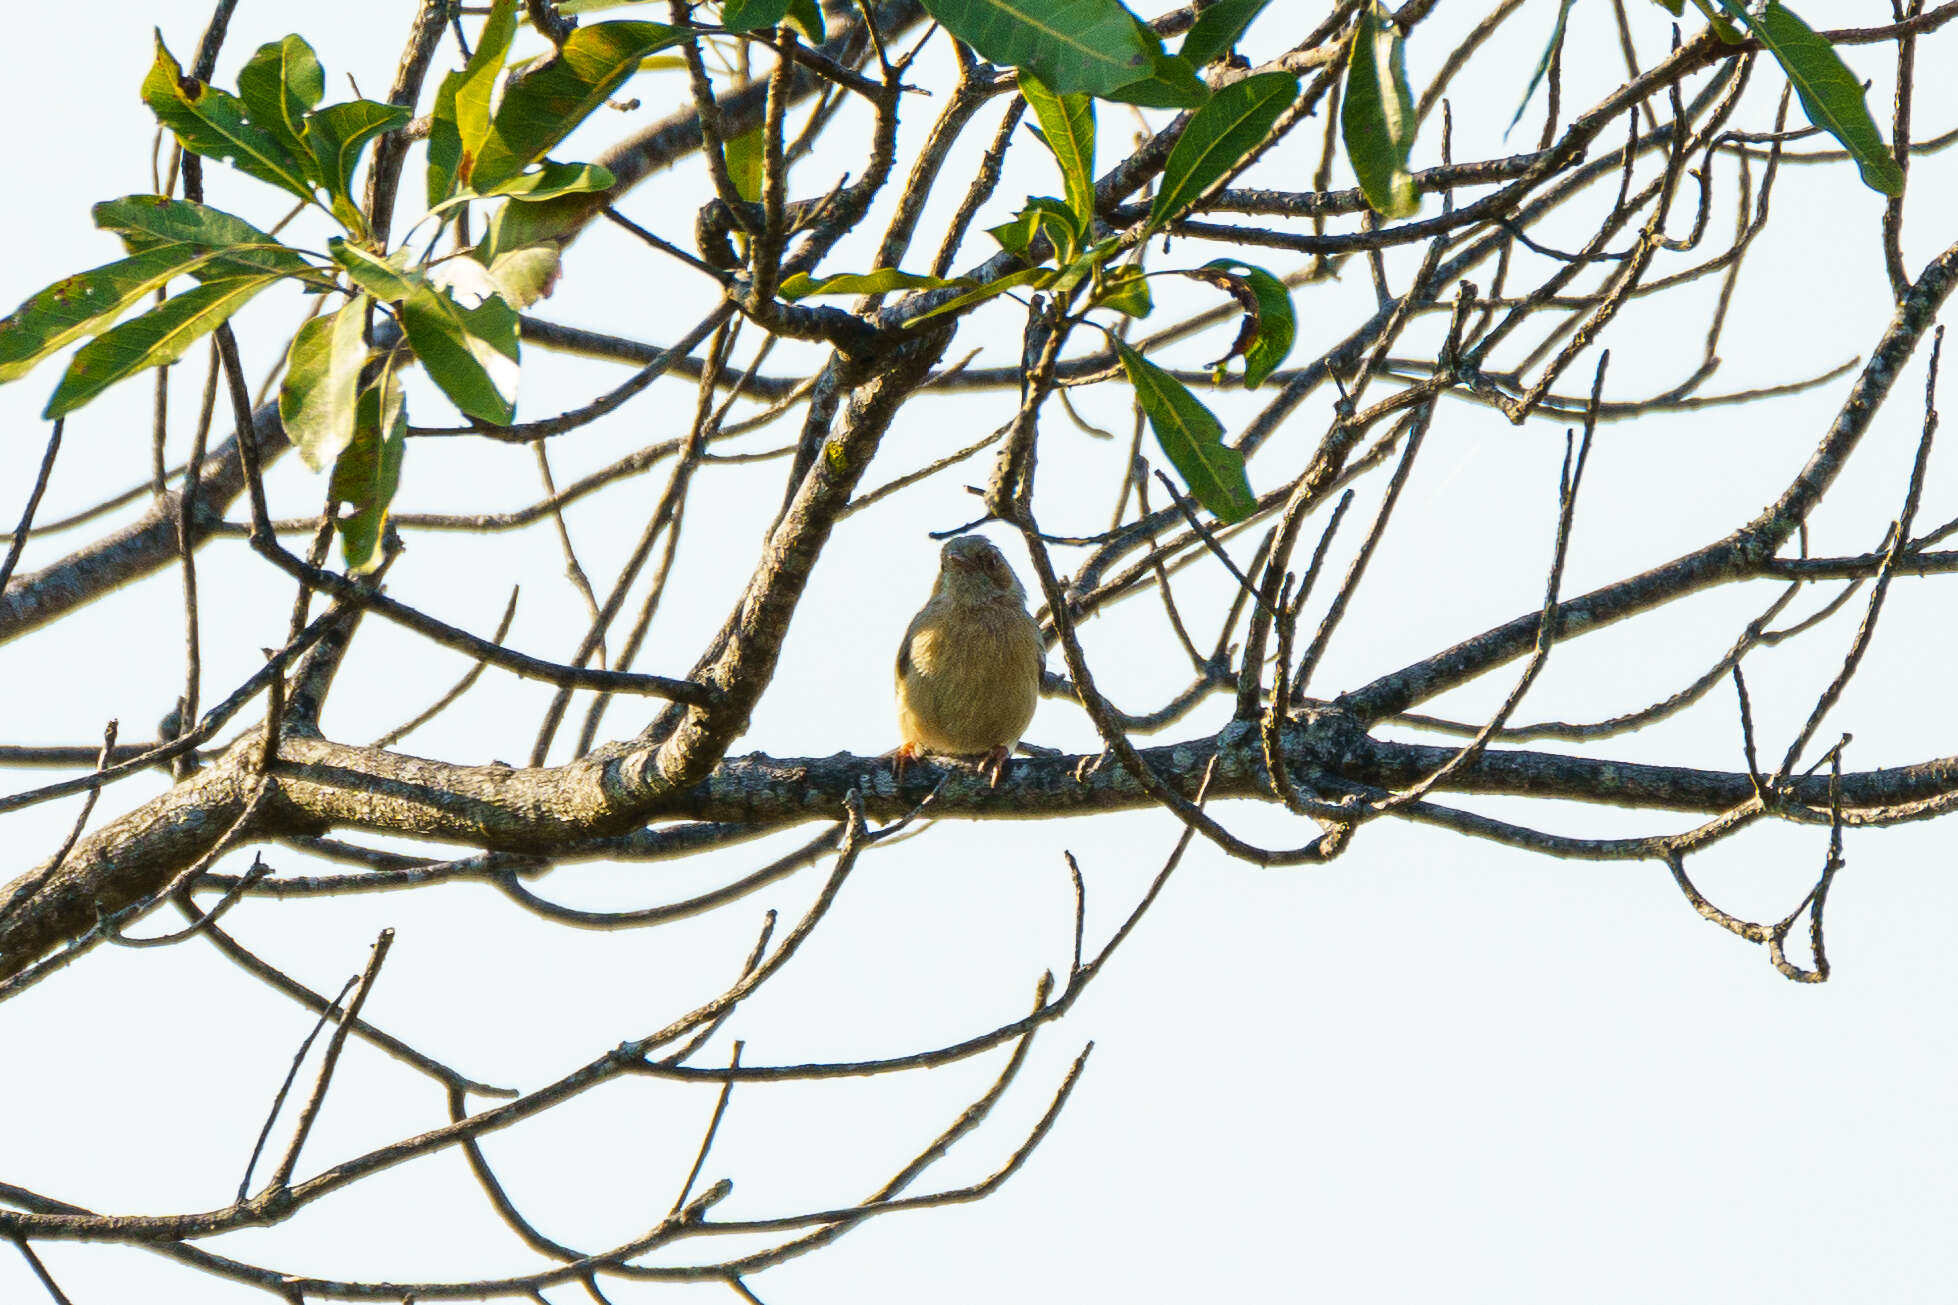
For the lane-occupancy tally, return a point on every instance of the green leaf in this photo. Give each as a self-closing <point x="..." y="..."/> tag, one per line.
<point x="526" y="274"/>
<point x="1219" y="137"/>
<point x="746" y="15"/>
<point x="316" y="399"/>
<point x="147" y="222"/>
<point x="1067" y="124"/>
<point x="372" y="273"/>
<point x="1830" y="94"/>
<point x="1011" y="281"/>
<point x="1219" y="28"/>
<point x="211" y="123"/>
<point x="1191" y="437"/>
<point x="883" y="281"/>
<point x="87" y="302"/>
<point x="157" y="337"/>
<point x="1270" y="330"/>
<point x="471" y="353"/>
<point x="743" y="155"/>
<point x="1171" y="83"/>
<point x="368" y="473"/>
<point x="1090" y="46"/>
<point x="336" y="136"/>
<point x="1041" y="217"/>
<point x="1377" y="115"/>
<point x="1126" y="290"/>
<point x="806" y="16"/>
<point x="547" y="104"/>
<point x="279" y="85"/>
<point x="460" y="122"/>
<point x="553" y="179"/>
<point x="1676" y="8"/>
<point x="1543" y="63"/>
<point x="513" y="226"/>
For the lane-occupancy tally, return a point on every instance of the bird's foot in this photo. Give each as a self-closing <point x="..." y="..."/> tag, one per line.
<point x="994" y="764"/>
<point x="905" y="754"/>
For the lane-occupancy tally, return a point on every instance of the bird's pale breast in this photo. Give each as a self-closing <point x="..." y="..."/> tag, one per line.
<point x="968" y="677"/>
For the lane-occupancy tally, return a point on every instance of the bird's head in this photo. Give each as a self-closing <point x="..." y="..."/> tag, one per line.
<point x="972" y="570"/>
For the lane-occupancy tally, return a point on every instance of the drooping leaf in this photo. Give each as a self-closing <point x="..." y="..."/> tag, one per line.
<point x="86" y="303"/>
<point x="1171" y="83"/>
<point x="746" y="15"/>
<point x="1087" y="46"/>
<point x="547" y="104"/>
<point x="525" y="274"/>
<point x="461" y="120"/>
<point x="883" y="281"/>
<point x="1219" y="137"/>
<point x="550" y="180"/>
<point x="1126" y="290"/>
<point x="806" y="16"/>
<point x="1831" y="95"/>
<point x="336" y="135"/>
<point x="157" y="337"/>
<point x="744" y="157"/>
<point x="209" y="122"/>
<point x="279" y="85"/>
<point x="1191" y="437"/>
<point x="316" y="399"/>
<point x="1271" y="326"/>
<point x="379" y="277"/>
<point x="368" y="472"/>
<point x="1543" y="63"/>
<point x="992" y="289"/>
<point x="1067" y="124"/>
<point x="1041" y="217"/>
<point x="1376" y="117"/>
<point x="1674" y="7"/>
<point x="1219" y="28"/>
<point x="471" y="353"/>
<point x="147" y="222"/>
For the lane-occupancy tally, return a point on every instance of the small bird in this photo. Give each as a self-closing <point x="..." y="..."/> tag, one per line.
<point x="969" y="669"/>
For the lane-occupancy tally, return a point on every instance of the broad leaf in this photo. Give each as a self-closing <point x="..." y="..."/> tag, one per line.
<point x="471" y="353"/>
<point x="883" y="281"/>
<point x="1170" y="83"/>
<point x="1219" y="138"/>
<point x="211" y="123"/>
<point x="147" y="222"/>
<point x="547" y="104"/>
<point x="372" y="273"/>
<point x="86" y="303"/>
<point x="1088" y="46"/>
<point x="461" y="121"/>
<point x="744" y="157"/>
<point x="1831" y="95"/>
<point x="553" y="179"/>
<point x="1041" y="217"/>
<point x="316" y="399"/>
<point x="1219" y="28"/>
<point x="368" y="472"/>
<point x="336" y="135"/>
<point x="513" y="226"/>
<point x="280" y="84"/>
<point x="1676" y="8"/>
<point x="1067" y="124"/>
<point x="1376" y="118"/>
<point x="1191" y="437"/>
<point x="157" y="337"/>
<point x="746" y="15"/>
<point x="1270" y="328"/>
<point x="806" y="16"/>
<point x="1126" y="290"/>
<point x="526" y="274"/>
<point x="1011" y="281"/>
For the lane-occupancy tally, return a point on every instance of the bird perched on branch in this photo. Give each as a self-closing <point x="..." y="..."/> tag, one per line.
<point x="968" y="671"/>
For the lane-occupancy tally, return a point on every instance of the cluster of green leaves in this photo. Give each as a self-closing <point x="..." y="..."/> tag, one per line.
<point x="341" y="400"/>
